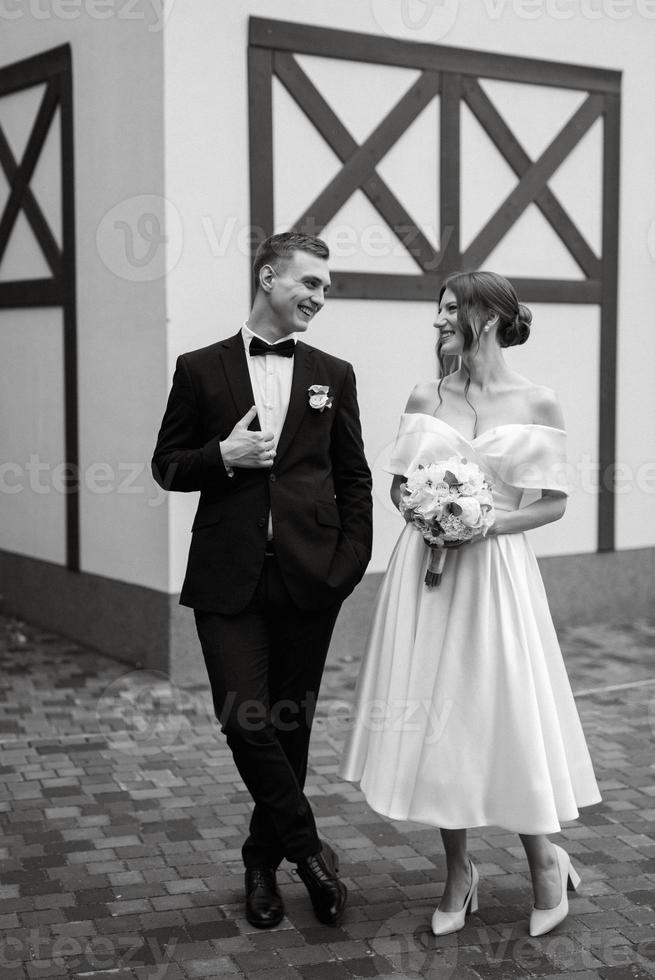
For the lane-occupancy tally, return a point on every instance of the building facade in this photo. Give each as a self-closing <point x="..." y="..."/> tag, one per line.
<point x="144" y="150"/>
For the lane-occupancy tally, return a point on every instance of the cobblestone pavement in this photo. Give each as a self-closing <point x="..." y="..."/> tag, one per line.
<point x="122" y="818"/>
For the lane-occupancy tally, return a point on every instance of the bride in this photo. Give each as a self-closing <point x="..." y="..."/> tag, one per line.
<point x="464" y="715"/>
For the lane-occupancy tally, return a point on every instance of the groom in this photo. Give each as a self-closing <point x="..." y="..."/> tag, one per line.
<point x="267" y="428"/>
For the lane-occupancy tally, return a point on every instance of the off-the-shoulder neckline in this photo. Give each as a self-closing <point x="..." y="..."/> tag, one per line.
<point x="495" y="428"/>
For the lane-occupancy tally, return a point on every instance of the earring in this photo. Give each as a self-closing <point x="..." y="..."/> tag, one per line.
<point x="486" y="329"/>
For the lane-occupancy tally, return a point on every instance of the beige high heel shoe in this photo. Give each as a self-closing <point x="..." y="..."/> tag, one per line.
<point x="444" y="923"/>
<point x="543" y="920"/>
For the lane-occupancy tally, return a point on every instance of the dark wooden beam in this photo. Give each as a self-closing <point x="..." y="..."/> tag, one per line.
<point x="55" y="68"/>
<point x="33" y="213"/>
<point x="450" y="183"/>
<point x="374" y="285"/>
<point x="35" y="70"/>
<point x="335" y="134"/>
<point x="586" y="291"/>
<point x="25" y="170"/>
<point x="366" y="157"/>
<point x="532" y="181"/>
<point x="260" y="129"/>
<point x="71" y="406"/>
<point x="508" y="145"/>
<point x="21" y="293"/>
<point x="348" y="45"/>
<point x="608" y="322"/>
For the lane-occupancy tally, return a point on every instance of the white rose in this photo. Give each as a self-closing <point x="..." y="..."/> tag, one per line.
<point x="319" y="397"/>
<point x="415" y="498"/>
<point x="431" y="509"/>
<point x="470" y="511"/>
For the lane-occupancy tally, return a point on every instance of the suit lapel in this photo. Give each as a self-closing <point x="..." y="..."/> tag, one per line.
<point x="237" y="377"/>
<point x="303" y="371"/>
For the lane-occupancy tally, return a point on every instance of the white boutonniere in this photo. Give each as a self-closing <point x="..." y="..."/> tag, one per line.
<point x="319" y="397"/>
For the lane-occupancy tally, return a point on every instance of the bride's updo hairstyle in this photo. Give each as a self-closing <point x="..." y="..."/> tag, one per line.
<point x="483" y="294"/>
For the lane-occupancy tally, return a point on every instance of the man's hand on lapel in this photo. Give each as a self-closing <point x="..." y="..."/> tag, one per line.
<point x="250" y="450"/>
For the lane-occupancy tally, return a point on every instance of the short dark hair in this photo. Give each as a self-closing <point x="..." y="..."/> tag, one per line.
<point x="283" y="246"/>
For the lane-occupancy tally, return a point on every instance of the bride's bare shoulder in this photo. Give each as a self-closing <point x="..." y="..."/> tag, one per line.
<point x="545" y="407"/>
<point x="424" y="398"/>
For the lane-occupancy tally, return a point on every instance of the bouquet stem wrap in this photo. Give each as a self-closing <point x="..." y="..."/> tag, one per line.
<point x="435" y="567"/>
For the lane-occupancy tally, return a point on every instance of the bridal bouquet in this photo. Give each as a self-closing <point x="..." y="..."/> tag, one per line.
<point x="449" y="501"/>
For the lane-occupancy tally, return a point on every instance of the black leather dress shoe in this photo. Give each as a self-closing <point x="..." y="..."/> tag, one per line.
<point x="264" y="906"/>
<point x="320" y="876"/>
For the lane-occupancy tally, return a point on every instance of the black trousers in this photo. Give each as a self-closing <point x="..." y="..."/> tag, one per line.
<point x="265" y="666"/>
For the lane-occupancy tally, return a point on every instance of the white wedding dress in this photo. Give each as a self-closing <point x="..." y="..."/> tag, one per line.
<point x="464" y="715"/>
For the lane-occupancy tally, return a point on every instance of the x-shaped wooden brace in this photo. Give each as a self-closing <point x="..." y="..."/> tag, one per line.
<point x="19" y="177"/>
<point x="533" y="177"/>
<point x="358" y="172"/>
<point x="360" y="162"/>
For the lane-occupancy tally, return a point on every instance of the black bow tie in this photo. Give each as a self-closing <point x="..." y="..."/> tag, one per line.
<point x="285" y="348"/>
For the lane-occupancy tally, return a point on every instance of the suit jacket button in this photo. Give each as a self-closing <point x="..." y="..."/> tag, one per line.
<point x="261" y="522"/>
<point x="273" y="478"/>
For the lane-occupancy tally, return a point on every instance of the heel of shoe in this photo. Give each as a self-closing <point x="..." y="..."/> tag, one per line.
<point x="544" y="920"/>
<point x="444" y="923"/>
<point x="473" y="904"/>
<point x="573" y="879"/>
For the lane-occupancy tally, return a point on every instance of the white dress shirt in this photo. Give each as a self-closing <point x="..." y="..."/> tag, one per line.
<point x="271" y="378"/>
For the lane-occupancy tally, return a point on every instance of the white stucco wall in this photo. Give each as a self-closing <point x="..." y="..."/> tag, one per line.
<point x="161" y="122"/>
<point x="391" y="344"/>
<point x="118" y="120"/>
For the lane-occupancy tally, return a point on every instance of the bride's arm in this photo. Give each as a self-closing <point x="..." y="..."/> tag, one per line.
<point x="422" y="399"/>
<point x="552" y="503"/>
<point x="550" y="507"/>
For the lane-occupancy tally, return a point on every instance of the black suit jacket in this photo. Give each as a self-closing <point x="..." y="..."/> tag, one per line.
<point x="318" y="491"/>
